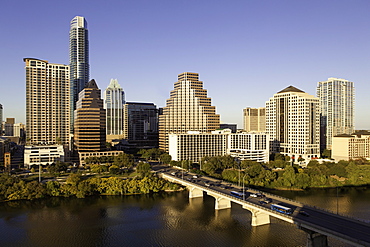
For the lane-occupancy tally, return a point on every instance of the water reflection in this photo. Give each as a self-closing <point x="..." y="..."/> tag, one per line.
<point x="168" y="219"/>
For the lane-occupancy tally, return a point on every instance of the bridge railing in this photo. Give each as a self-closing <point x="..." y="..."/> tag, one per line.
<point x="279" y="197"/>
<point x="232" y="198"/>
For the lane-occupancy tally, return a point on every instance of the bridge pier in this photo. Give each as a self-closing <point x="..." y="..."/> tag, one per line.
<point x="222" y="203"/>
<point x="315" y="239"/>
<point x="259" y="218"/>
<point x="195" y="192"/>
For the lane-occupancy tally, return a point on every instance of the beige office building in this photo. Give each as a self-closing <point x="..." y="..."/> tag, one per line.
<point x="90" y="120"/>
<point x="254" y="119"/>
<point x="194" y="145"/>
<point x="187" y="109"/>
<point x="293" y="123"/>
<point x="347" y="147"/>
<point x="47" y="102"/>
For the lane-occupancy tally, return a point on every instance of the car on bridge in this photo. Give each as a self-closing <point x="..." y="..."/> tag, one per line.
<point x="304" y="213"/>
<point x="265" y="201"/>
<point x="257" y="195"/>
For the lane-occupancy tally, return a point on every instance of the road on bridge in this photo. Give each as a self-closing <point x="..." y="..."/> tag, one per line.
<point x="305" y="216"/>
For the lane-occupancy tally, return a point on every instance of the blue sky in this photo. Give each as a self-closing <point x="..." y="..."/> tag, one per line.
<point x="244" y="51"/>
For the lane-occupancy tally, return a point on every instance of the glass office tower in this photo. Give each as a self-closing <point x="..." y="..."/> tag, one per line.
<point x="78" y="58"/>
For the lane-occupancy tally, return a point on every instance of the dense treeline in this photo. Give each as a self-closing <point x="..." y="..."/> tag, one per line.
<point x="282" y="174"/>
<point x="14" y="188"/>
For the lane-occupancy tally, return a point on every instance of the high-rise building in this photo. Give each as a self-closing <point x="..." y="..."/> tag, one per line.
<point x="90" y="121"/>
<point x="1" y="119"/>
<point x="114" y="99"/>
<point x="141" y="124"/>
<point x="187" y="109"/>
<point x="254" y="119"/>
<point x="78" y="58"/>
<point x="337" y="109"/>
<point x="293" y="123"/>
<point x="48" y="106"/>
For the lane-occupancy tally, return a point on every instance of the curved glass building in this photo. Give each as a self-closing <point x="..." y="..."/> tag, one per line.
<point x="78" y="57"/>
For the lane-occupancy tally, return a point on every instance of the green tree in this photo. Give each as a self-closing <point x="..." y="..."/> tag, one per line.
<point x="338" y="170"/>
<point x="289" y="177"/>
<point x="165" y="158"/>
<point x="143" y="167"/>
<point x="150" y="154"/>
<point x="53" y="188"/>
<point x="98" y="168"/>
<point x="113" y="169"/>
<point x="326" y="154"/>
<point x="124" y="160"/>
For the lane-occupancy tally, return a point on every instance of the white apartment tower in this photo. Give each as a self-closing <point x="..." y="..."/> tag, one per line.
<point x="48" y="106"/>
<point x="337" y="109"/>
<point x="187" y="109"/>
<point x="293" y="123"/>
<point x="254" y="119"/>
<point x="114" y="100"/>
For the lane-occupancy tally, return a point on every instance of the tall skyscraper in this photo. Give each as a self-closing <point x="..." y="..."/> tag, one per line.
<point x="48" y="106"/>
<point x="187" y="109"/>
<point x="254" y="119"/>
<point x="1" y="119"/>
<point x="114" y="99"/>
<point x="78" y="58"/>
<point x="293" y="123"/>
<point x="337" y="109"/>
<point x="90" y="121"/>
<point x="141" y="124"/>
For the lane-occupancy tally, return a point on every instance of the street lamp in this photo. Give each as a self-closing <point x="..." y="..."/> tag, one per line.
<point x="182" y="169"/>
<point x="240" y="167"/>
<point x="243" y="186"/>
<point x="39" y="172"/>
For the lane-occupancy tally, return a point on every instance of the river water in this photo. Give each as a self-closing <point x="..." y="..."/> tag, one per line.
<point x="168" y="219"/>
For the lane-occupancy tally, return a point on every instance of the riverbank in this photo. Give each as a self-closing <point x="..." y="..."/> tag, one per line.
<point x="76" y="185"/>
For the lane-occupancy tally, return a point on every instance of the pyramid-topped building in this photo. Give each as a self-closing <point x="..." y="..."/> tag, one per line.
<point x="187" y="109"/>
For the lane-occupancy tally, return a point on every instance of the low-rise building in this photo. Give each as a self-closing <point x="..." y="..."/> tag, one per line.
<point x="84" y="155"/>
<point x="194" y="145"/>
<point x="43" y="154"/>
<point x="347" y="147"/>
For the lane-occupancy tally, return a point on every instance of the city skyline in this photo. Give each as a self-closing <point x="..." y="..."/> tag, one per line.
<point x="251" y="45"/>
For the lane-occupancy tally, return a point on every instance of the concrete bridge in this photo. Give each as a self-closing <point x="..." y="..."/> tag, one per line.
<point x="318" y="225"/>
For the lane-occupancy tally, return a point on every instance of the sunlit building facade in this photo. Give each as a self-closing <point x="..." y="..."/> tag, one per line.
<point x="48" y="106"/>
<point x="194" y="145"/>
<point x="337" y="109"/>
<point x="78" y="58"/>
<point x="293" y="123"/>
<point x="187" y="109"/>
<point x="351" y="147"/>
<point x="254" y="119"/>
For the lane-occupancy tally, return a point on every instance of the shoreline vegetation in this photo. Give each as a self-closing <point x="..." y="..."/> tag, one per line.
<point x="120" y="175"/>
<point x="76" y="185"/>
